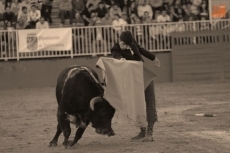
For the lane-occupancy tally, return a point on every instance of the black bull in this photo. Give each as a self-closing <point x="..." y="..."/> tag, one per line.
<point x="79" y="94"/>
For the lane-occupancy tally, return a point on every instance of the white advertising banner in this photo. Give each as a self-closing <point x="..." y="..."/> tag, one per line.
<point x="45" y="39"/>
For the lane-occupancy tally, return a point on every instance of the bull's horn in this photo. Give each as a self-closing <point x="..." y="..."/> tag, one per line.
<point x="94" y="101"/>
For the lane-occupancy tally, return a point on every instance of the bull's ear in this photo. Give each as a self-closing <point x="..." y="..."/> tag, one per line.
<point x="94" y="101"/>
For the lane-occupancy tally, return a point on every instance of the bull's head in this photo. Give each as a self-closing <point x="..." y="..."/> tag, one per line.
<point x="101" y="116"/>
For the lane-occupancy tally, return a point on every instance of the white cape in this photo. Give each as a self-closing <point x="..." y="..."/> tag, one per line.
<point x="125" y="84"/>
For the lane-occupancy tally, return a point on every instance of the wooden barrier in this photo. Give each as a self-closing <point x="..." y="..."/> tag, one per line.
<point x="44" y="72"/>
<point x="201" y="55"/>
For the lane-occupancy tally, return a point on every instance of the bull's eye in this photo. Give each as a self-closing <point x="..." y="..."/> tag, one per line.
<point x="103" y="111"/>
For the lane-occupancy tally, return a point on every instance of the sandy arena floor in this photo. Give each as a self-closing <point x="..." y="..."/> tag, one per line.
<point x="28" y="122"/>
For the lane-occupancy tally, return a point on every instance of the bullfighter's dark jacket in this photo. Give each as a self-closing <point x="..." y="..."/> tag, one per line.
<point x="137" y="50"/>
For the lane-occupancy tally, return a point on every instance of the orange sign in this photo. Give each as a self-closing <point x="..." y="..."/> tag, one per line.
<point x="219" y="11"/>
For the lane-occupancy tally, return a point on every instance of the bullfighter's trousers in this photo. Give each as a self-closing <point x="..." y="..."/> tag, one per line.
<point x="150" y="104"/>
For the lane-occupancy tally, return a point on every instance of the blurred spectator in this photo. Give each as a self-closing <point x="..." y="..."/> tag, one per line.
<point x="118" y="23"/>
<point x="97" y="35"/>
<point x="138" y="29"/>
<point x="155" y="4"/>
<point x="42" y="24"/>
<point x="34" y="2"/>
<point x="65" y="10"/>
<point x="165" y="6"/>
<point x="204" y="25"/>
<point x="163" y="17"/>
<point x="115" y="10"/>
<point x="92" y="19"/>
<point x="118" y="2"/>
<point x="131" y="19"/>
<point x="3" y="39"/>
<point x="78" y="6"/>
<point x="2" y="8"/>
<point x="15" y="7"/>
<point x="106" y="20"/>
<point x="39" y="4"/>
<point x="189" y="16"/>
<point x="8" y="3"/>
<point x="180" y="27"/>
<point x="143" y="8"/>
<point x="9" y="16"/>
<point x="85" y="1"/>
<point x="78" y="33"/>
<point x="107" y="2"/>
<point x="204" y="10"/>
<point x="94" y="3"/>
<point x="185" y="2"/>
<point x="135" y="19"/>
<point x="78" y="20"/>
<point x="46" y="10"/>
<point x="23" y="19"/>
<point x="157" y="13"/>
<point x="176" y="10"/>
<point x="35" y="15"/>
<point x="11" y="33"/>
<point x="2" y="24"/>
<point x="132" y="9"/>
<point x="146" y="18"/>
<point x="86" y="14"/>
<point x="124" y="7"/>
<point x="195" y="7"/>
<point x="95" y="21"/>
<point x="107" y="31"/>
<point x="27" y="4"/>
<point x="101" y="10"/>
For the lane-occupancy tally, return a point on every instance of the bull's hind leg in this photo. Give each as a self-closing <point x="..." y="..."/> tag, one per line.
<point x="65" y="127"/>
<point x="79" y="134"/>
<point x="53" y="143"/>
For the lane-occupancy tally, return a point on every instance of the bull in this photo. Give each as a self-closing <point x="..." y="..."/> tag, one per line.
<point x="79" y="96"/>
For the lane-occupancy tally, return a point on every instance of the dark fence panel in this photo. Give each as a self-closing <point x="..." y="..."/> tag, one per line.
<point x="201" y="55"/>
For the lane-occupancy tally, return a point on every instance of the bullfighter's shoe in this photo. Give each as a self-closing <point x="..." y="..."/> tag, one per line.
<point x="149" y="135"/>
<point x="141" y="135"/>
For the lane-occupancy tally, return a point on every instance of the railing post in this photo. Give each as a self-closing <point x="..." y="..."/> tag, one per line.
<point x="71" y="54"/>
<point x="73" y="41"/>
<point x="17" y="45"/>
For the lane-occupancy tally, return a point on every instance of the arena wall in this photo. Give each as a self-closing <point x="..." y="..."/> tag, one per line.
<point x="44" y="72"/>
<point x="201" y="56"/>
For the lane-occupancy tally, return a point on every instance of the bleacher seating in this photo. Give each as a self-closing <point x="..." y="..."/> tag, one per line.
<point x="184" y="10"/>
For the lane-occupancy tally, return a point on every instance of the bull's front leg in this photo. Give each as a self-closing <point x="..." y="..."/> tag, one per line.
<point x="79" y="134"/>
<point x="65" y="127"/>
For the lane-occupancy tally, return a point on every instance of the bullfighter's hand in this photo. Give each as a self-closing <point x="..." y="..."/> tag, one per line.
<point x="157" y="63"/>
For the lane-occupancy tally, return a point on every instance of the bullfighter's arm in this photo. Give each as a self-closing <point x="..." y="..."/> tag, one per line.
<point x="116" y="54"/>
<point x="145" y="52"/>
<point x="148" y="55"/>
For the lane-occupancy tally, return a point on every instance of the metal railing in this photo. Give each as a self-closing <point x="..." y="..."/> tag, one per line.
<point x="98" y="40"/>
